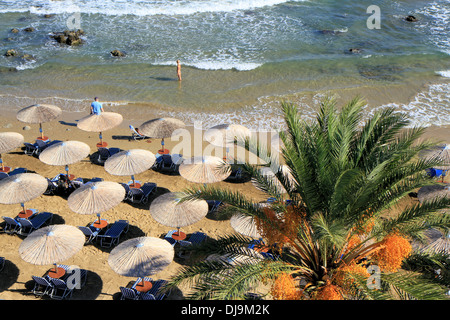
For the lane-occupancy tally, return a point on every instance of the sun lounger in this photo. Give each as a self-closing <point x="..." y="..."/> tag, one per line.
<point x="147" y="188"/>
<point x="17" y="171"/>
<point x="112" y="235"/>
<point x="128" y="294"/>
<point x="90" y="233"/>
<point x="156" y="289"/>
<point x="141" y="195"/>
<point x="168" y="162"/>
<point x="52" y="187"/>
<point x="35" y="149"/>
<point x="75" y="282"/>
<point x="195" y="238"/>
<point x="213" y="205"/>
<point x="11" y="226"/>
<point x="146" y="296"/>
<point x="236" y="174"/>
<point x="169" y="238"/>
<point x="136" y="135"/>
<point x="127" y="188"/>
<point x="105" y="153"/>
<point x="42" y="286"/>
<point x="39" y="220"/>
<point x="60" y="290"/>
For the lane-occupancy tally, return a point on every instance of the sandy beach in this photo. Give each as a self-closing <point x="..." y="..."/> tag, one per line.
<point x="102" y="282"/>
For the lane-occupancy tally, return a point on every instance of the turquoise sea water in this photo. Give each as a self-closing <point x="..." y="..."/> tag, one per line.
<point x="239" y="58"/>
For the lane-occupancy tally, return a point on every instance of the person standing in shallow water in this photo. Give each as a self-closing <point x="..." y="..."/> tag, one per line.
<point x="179" y="70"/>
<point x="96" y="107"/>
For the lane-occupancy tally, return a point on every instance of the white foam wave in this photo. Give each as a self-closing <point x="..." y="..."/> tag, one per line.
<point x="439" y="25"/>
<point x="135" y="7"/>
<point x="427" y="108"/>
<point x="445" y="74"/>
<point x="233" y="64"/>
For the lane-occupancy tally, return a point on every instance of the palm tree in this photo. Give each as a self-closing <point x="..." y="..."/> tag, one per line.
<point x="345" y="175"/>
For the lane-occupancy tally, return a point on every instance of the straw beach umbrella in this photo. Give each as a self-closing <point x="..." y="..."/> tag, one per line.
<point x="9" y="141"/>
<point x="223" y="135"/>
<point x="96" y="197"/>
<point x="441" y="245"/>
<point x="204" y="169"/>
<point x="39" y="113"/>
<point x="168" y="210"/>
<point x="245" y="225"/>
<point x="100" y="123"/>
<point x="51" y="245"/>
<point x="141" y="257"/>
<point x="432" y="192"/>
<point x="65" y="153"/>
<point x="441" y="153"/>
<point x="129" y="163"/>
<point x="21" y="188"/>
<point x="161" y="128"/>
<point x="268" y="173"/>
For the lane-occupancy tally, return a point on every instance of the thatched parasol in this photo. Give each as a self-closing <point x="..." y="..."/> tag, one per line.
<point x="268" y="173"/>
<point x="39" y="113"/>
<point x="52" y="244"/>
<point x="245" y="225"/>
<point x="223" y="135"/>
<point x="206" y="169"/>
<point x="429" y="193"/>
<point x="22" y="187"/>
<point x="169" y="211"/>
<point x="441" y="153"/>
<point x="141" y="257"/>
<point x="130" y="162"/>
<point x="96" y="197"/>
<point x="161" y="128"/>
<point x="100" y="123"/>
<point x="441" y="245"/>
<point x="64" y="153"/>
<point x="9" y="141"/>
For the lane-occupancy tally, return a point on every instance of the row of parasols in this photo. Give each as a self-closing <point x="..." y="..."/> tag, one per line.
<point x="158" y="128"/>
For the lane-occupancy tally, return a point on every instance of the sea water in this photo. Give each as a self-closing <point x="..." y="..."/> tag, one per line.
<point x="240" y="58"/>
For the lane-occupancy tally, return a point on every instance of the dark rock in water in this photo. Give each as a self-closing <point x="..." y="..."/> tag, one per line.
<point x="355" y="50"/>
<point x="28" y="57"/>
<point x="71" y="38"/>
<point x="29" y="29"/>
<point x="11" y="53"/>
<point x="118" y="53"/>
<point x="411" y="19"/>
<point x="14" y="30"/>
<point x="332" y="32"/>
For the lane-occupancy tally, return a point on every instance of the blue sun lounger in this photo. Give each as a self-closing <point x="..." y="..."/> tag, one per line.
<point x="112" y="235"/>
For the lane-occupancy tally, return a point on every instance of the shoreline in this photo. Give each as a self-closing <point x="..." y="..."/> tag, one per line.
<point x="414" y="97"/>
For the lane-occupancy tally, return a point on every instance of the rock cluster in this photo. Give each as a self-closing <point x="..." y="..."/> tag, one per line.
<point x="118" y="53"/>
<point x="411" y="19"/>
<point x="71" y="38"/>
